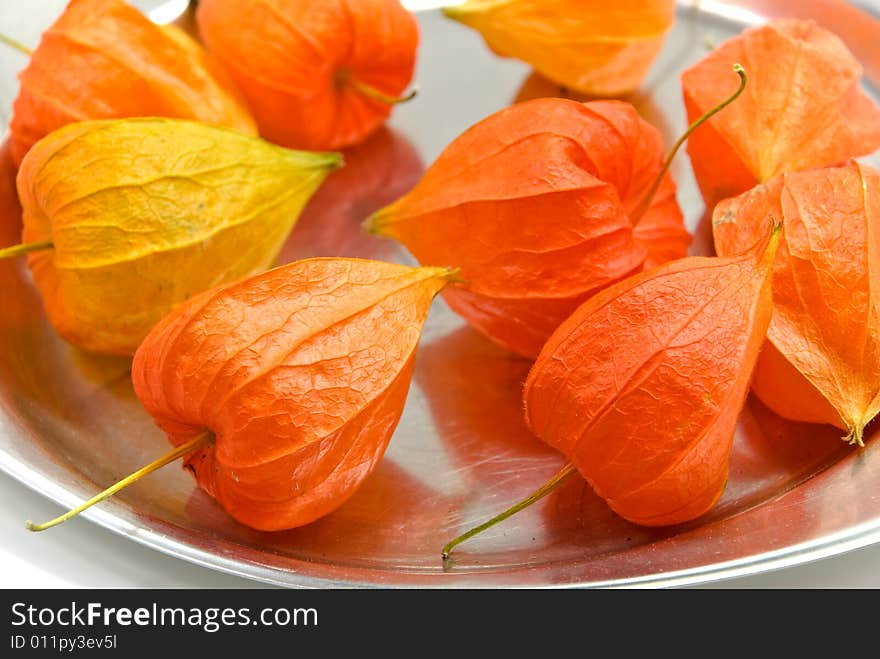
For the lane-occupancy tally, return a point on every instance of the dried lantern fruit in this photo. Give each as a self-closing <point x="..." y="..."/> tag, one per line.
<point x="281" y="391"/>
<point x="537" y="205"/>
<point x="103" y="59"/>
<point x="317" y="74"/>
<point x="539" y="219"/>
<point x="593" y="47"/>
<point x="126" y="218"/>
<point x="788" y="393"/>
<point x="805" y="108"/>
<point x="660" y="229"/>
<point x="824" y="364"/>
<point x="642" y="386"/>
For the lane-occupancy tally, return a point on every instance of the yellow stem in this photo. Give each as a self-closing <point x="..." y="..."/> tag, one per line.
<point x="649" y="196"/>
<point x="190" y="446"/>
<point x="26" y="248"/>
<point x="455" y="12"/>
<point x="17" y="45"/>
<point x="376" y="95"/>
<point x="373" y="224"/>
<point x="557" y="480"/>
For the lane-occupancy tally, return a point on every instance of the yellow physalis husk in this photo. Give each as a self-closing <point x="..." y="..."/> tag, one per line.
<point x="594" y="47"/>
<point x="144" y="213"/>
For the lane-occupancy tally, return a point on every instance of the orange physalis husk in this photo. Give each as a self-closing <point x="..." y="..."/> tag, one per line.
<point x="103" y="59"/>
<point x="299" y="374"/>
<point x="805" y="108"/>
<point x="788" y="393"/>
<point x="826" y="292"/>
<point x="125" y="218"/>
<point x="318" y="74"/>
<point x="535" y="204"/>
<point x="642" y="387"/>
<point x="592" y="46"/>
<point x="660" y="230"/>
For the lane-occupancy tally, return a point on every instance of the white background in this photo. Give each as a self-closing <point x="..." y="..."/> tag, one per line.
<point x="81" y="554"/>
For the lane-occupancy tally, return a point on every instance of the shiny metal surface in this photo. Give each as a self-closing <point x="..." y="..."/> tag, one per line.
<point x="70" y="423"/>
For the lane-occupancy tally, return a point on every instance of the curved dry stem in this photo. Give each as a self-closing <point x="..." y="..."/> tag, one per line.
<point x="557" y="480"/>
<point x="645" y="203"/>
<point x="376" y="95"/>
<point x="25" y="248"/>
<point x="202" y="440"/>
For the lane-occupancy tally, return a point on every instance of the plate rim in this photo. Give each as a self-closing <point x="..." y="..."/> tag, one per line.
<point x="116" y="516"/>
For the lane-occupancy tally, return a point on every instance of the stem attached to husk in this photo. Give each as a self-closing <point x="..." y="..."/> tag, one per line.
<point x="202" y="440"/>
<point x="26" y="248"/>
<point x="17" y="45"/>
<point x="454" y="277"/>
<point x="373" y="225"/>
<point x="557" y="480"/>
<point x="373" y="93"/>
<point x="645" y="203"/>
<point x="856" y="436"/>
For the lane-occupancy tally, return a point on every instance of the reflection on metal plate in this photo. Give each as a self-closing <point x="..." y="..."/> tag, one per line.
<point x="70" y="423"/>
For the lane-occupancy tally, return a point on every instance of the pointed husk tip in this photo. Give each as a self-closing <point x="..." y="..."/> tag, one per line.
<point x="771" y="247"/>
<point x="376" y="223"/>
<point x="324" y="161"/>
<point x="330" y="160"/>
<point x="856" y="435"/>
<point x="452" y="275"/>
<point x="455" y="12"/>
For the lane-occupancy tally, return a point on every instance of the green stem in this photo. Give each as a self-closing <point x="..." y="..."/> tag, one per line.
<point x="202" y="440"/>
<point x="649" y="196"/>
<point x="376" y="95"/>
<point x="26" y="248"/>
<point x="557" y="480"/>
<point x="17" y="45"/>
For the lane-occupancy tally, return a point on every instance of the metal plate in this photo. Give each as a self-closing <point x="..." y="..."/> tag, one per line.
<point x="70" y="423"/>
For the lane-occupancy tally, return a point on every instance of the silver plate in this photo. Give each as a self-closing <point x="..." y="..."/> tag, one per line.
<point x="70" y="423"/>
